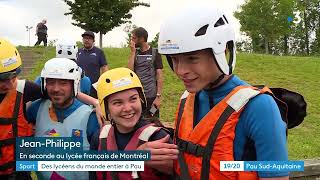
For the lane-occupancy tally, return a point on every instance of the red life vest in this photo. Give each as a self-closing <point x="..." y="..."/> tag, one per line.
<point x="108" y="142"/>
<point x="12" y="124"/>
<point x="211" y="141"/>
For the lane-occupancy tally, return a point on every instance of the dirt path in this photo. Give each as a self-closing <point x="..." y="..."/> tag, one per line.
<point x="28" y="60"/>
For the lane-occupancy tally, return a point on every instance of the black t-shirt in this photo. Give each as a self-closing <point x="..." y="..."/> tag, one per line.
<point x="157" y="63"/>
<point x="146" y="64"/>
<point x="31" y="92"/>
<point x="122" y="139"/>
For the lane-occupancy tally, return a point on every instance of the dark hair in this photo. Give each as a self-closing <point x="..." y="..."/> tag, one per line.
<point x="140" y="32"/>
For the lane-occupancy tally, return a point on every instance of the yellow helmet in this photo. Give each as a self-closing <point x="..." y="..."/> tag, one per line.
<point x="116" y="80"/>
<point x="10" y="60"/>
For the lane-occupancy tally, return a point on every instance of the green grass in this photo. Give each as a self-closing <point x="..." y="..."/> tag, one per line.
<point x="300" y="74"/>
<point x="48" y="53"/>
<point x="45" y="53"/>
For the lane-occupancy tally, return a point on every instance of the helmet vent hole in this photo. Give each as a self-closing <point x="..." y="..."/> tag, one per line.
<point x="108" y="80"/>
<point x="225" y="19"/>
<point x="60" y="52"/>
<point x="131" y="74"/>
<point x="71" y="70"/>
<point x="69" y="53"/>
<point x="16" y="53"/>
<point x="202" y="30"/>
<point x="220" y="22"/>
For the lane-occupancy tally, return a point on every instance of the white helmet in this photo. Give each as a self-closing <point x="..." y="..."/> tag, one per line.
<point x="61" y="68"/>
<point x="66" y="49"/>
<point x="197" y="28"/>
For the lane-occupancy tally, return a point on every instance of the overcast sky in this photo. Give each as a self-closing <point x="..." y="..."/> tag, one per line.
<point x="17" y="14"/>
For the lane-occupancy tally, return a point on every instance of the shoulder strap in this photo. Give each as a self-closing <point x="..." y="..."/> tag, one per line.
<point x="235" y="103"/>
<point x="135" y="139"/>
<point x="184" y="95"/>
<point x="183" y="100"/>
<point x="241" y="98"/>
<point x="105" y="131"/>
<point x="20" y="85"/>
<point x="103" y="140"/>
<point x="184" y="170"/>
<point x="148" y="132"/>
<point x="154" y="54"/>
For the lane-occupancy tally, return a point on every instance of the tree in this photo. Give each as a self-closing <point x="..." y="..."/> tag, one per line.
<point x="265" y="20"/>
<point x="79" y="44"/>
<point x="128" y="28"/>
<point x="101" y="16"/>
<point x="302" y="40"/>
<point x="311" y="12"/>
<point x="154" y="42"/>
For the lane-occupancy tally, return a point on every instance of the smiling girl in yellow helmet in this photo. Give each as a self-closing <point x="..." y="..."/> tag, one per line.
<point x="122" y="99"/>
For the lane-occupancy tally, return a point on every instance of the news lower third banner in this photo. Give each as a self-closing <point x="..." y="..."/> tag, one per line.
<point x="284" y="166"/>
<point x="67" y="154"/>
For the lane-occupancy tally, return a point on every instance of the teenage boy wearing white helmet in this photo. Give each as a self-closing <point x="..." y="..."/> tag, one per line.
<point x="63" y="115"/>
<point x="69" y="49"/>
<point x="220" y="117"/>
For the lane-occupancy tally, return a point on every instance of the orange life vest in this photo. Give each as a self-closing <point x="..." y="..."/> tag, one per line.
<point x="211" y="140"/>
<point x="12" y="124"/>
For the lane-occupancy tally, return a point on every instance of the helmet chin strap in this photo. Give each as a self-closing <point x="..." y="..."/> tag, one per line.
<point x="229" y="47"/>
<point x="212" y="85"/>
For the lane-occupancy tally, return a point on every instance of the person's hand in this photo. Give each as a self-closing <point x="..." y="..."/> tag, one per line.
<point x="132" y="46"/>
<point x="162" y="154"/>
<point x="99" y="115"/>
<point x="157" y="102"/>
<point x="161" y="150"/>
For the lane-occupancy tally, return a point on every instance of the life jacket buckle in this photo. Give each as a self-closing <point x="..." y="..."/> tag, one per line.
<point x="190" y="147"/>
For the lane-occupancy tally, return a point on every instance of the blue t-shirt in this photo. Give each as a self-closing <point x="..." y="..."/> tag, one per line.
<point x="260" y="121"/>
<point x="91" y="60"/>
<point x="92" y="125"/>
<point x="85" y="84"/>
